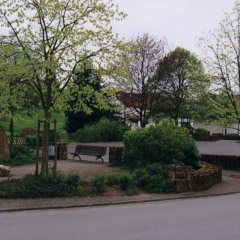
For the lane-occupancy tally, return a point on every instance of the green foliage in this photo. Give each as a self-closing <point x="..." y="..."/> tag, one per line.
<point x="112" y="179"/>
<point x="201" y="134"/>
<point x="219" y="53"/>
<point x="126" y="181"/>
<point x="232" y="137"/>
<point x="152" y="179"/>
<point x="21" y="156"/>
<point x="99" y="184"/>
<point x="37" y="187"/>
<point x="184" y="83"/>
<point x="82" y="108"/>
<point x="74" y="31"/>
<point x="31" y="140"/>
<point x="103" y="131"/>
<point x="163" y="143"/>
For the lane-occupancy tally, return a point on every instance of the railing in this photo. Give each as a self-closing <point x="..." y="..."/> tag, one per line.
<point x="18" y="140"/>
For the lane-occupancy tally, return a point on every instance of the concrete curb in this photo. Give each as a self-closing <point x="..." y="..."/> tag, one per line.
<point x="112" y="203"/>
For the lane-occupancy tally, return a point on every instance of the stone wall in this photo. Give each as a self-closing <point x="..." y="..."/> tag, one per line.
<point x="185" y="179"/>
<point x="115" y="156"/>
<point x="229" y="162"/>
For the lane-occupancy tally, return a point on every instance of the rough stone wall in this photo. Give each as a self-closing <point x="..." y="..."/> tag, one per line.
<point x="185" y="179"/>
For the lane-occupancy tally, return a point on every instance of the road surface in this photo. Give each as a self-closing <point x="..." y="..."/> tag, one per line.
<point x="211" y="218"/>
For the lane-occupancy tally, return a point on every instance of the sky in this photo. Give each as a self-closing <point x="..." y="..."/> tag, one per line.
<point x="182" y="22"/>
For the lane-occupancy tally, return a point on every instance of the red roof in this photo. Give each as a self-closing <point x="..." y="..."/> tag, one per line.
<point x="134" y="100"/>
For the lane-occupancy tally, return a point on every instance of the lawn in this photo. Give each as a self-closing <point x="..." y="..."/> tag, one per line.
<point x="24" y="120"/>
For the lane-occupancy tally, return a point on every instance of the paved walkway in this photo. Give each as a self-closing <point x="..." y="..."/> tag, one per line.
<point x="221" y="147"/>
<point x="228" y="186"/>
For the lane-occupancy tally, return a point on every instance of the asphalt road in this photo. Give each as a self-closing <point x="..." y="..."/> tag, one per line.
<point x="211" y="218"/>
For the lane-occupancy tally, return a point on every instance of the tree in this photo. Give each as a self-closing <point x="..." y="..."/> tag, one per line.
<point x="55" y="37"/>
<point x="134" y="72"/>
<point x="183" y="78"/>
<point x="85" y="80"/>
<point x="221" y="55"/>
<point x="14" y="95"/>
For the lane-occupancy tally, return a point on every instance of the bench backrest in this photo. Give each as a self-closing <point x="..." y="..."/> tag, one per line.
<point x="90" y="150"/>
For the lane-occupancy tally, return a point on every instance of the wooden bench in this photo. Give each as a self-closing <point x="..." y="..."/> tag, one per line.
<point x="88" y="150"/>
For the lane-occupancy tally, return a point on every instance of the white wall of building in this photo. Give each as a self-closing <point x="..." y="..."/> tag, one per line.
<point x="216" y="129"/>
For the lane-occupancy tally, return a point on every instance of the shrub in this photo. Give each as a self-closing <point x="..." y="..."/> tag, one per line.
<point x="201" y="134"/>
<point x="112" y="179"/>
<point x="126" y="181"/>
<point x="152" y="179"/>
<point x="232" y="137"/>
<point x="99" y="184"/>
<point x="31" y="140"/>
<point x="163" y="143"/>
<point x="103" y="131"/>
<point x="21" y="156"/>
<point x="36" y="187"/>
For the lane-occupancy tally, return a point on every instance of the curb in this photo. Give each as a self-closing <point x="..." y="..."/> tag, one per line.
<point x="113" y="203"/>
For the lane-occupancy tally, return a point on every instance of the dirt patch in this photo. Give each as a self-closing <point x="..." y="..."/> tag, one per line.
<point x="235" y="176"/>
<point x="86" y="170"/>
<point x="114" y="192"/>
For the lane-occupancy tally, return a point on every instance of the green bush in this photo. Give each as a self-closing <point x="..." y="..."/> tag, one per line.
<point x="36" y="187"/>
<point x="103" y="131"/>
<point x="164" y="143"/>
<point x="99" y="184"/>
<point x="112" y="179"/>
<point x="21" y="156"/>
<point x="126" y="181"/>
<point x="152" y="179"/>
<point x="232" y="137"/>
<point x="31" y="140"/>
<point x="201" y="134"/>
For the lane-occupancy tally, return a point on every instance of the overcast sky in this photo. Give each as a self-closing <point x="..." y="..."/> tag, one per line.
<point x="180" y="21"/>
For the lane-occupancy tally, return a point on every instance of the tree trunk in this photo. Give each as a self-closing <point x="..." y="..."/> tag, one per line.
<point x="45" y="157"/>
<point x="238" y="127"/>
<point x="11" y="132"/>
<point x="142" y="124"/>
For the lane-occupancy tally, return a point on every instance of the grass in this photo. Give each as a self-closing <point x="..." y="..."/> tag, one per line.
<point x="23" y="120"/>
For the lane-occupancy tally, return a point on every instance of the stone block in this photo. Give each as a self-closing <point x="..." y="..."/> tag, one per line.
<point x="4" y="171"/>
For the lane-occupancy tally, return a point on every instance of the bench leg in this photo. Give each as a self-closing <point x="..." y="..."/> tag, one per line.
<point x="76" y="156"/>
<point x="99" y="157"/>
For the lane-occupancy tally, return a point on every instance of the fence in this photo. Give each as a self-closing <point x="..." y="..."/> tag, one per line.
<point x="18" y="140"/>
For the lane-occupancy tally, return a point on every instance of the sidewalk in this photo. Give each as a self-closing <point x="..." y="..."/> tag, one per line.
<point x="228" y="186"/>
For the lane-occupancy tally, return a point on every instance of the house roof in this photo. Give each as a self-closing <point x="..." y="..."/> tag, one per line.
<point x="134" y="100"/>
